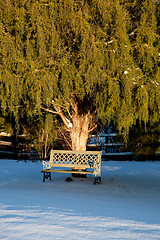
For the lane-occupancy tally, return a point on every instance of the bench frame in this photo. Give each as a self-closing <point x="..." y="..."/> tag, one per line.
<point x="77" y="162"/>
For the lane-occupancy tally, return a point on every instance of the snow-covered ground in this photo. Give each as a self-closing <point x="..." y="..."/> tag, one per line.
<point x="125" y="206"/>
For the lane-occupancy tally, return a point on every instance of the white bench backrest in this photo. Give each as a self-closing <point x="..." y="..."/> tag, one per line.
<point x="66" y="157"/>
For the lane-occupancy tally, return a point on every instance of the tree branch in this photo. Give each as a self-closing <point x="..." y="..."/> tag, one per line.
<point x="62" y="133"/>
<point x="91" y="130"/>
<point x="48" y="110"/>
<point x="66" y="122"/>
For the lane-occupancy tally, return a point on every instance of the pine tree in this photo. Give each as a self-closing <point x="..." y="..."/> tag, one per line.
<point x="82" y="60"/>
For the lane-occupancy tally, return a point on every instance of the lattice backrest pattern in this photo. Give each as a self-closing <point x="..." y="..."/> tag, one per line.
<point x="88" y="158"/>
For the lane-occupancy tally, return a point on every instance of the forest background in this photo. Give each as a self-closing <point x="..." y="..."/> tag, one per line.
<point x="69" y="68"/>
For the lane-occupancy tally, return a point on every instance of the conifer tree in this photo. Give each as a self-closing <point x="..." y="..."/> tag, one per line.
<point x="82" y="60"/>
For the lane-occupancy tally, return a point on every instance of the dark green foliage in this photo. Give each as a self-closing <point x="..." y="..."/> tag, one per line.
<point x="40" y="134"/>
<point x="106" y="53"/>
<point x="43" y="135"/>
<point x="145" y="142"/>
<point x="6" y="125"/>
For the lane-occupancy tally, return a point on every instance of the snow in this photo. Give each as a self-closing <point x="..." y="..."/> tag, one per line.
<point x="5" y="134"/>
<point x="109" y="42"/>
<point x="125" y="206"/>
<point x="69" y="123"/>
<point x="132" y="33"/>
<point x="156" y="83"/>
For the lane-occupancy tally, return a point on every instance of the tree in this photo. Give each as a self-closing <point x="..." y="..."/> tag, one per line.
<point x="145" y="143"/>
<point x="6" y="125"/>
<point x="81" y="60"/>
<point x="43" y="134"/>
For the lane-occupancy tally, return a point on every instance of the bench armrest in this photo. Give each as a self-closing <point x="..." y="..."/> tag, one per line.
<point x="46" y="164"/>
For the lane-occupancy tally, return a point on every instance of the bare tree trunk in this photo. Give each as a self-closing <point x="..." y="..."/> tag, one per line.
<point x="79" y="136"/>
<point x="79" y="133"/>
<point x="45" y="147"/>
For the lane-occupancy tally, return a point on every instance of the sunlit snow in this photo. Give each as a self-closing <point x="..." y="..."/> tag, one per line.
<point x="69" y="123"/>
<point x="125" y="206"/>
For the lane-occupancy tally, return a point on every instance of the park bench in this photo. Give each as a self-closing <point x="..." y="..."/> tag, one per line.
<point x="77" y="162"/>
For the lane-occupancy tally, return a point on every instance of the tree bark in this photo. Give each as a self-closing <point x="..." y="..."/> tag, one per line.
<point x="79" y="136"/>
<point x="79" y="132"/>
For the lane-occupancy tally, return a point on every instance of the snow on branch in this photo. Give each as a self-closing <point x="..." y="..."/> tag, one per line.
<point x="109" y="42"/>
<point x="156" y="83"/>
<point x="59" y="111"/>
<point x="69" y="123"/>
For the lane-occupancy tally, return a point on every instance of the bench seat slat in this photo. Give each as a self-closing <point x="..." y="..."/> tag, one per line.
<point x="67" y="171"/>
<point x="82" y="166"/>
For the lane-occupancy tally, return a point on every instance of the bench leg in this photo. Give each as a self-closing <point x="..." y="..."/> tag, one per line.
<point x="46" y="175"/>
<point x="97" y="180"/>
<point x="49" y="176"/>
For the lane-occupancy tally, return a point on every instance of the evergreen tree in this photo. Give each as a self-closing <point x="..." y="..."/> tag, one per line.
<point x="83" y="60"/>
